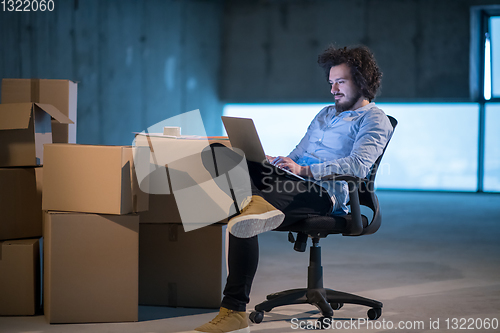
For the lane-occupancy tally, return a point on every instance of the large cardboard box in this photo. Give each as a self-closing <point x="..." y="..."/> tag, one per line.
<point x="92" y="179"/>
<point x="180" y="165"/>
<point x="178" y="268"/>
<point x="60" y="93"/>
<point x="20" y="203"/>
<point x="90" y="267"/>
<point x="19" y="277"/>
<point x="24" y="129"/>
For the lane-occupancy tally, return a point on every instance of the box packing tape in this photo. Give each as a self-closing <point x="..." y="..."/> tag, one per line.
<point x="35" y="90"/>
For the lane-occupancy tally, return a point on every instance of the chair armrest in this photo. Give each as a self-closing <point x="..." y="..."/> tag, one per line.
<point x="356" y="226"/>
<point x="353" y="183"/>
<point x="366" y="191"/>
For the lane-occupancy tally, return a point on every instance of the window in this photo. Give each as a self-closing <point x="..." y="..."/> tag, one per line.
<point x="434" y="146"/>
<point x="491" y="181"/>
<point x="492" y="58"/>
<point x="492" y="148"/>
<point x="485" y="89"/>
<point x="494" y="40"/>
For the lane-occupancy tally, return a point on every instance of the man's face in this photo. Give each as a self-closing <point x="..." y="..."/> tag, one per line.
<point x="347" y="95"/>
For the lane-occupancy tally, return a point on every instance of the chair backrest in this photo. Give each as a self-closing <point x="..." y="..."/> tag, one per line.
<point x="373" y="171"/>
<point x="366" y="190"/>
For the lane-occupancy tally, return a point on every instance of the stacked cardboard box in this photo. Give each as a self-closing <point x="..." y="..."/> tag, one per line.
<point x="19" y="272"/>
<point x="180" y="163"/>
<point x="178" y="268"/>
<point x="91" y="231"/>
<point x="90" y="267"/>
<point x="172" y="262"/>
<point x="90" y="258"/>
<point x="20" y="203"/>
<point x="62" y="94"/>
<point x="20" y="231"/>
<point x="92" y="179"/>
<point x="88" y="217"/>
<point x="25" y="126"/>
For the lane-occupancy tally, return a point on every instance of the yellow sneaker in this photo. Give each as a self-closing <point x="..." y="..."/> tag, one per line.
<point x="256" y="217"/>
<point x="227" y="321"/>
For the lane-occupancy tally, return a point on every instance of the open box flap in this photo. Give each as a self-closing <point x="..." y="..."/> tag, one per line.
<point x="15" y="115"/>
<point x="54" y="113"/>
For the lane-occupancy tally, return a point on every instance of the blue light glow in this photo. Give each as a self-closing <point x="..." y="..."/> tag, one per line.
<point x="495" y="55"/>
<point x="434" y="147"/>
<point x="487" y="69"/>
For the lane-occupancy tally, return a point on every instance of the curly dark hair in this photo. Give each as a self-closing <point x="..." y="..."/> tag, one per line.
<point x="364" y="69"/>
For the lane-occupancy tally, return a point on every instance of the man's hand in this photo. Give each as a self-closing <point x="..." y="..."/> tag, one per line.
<point x="270" y="158"/>
<point x="288" y="164"/>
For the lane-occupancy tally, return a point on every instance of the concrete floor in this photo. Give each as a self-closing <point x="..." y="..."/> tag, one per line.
<point x="435" y="258"/>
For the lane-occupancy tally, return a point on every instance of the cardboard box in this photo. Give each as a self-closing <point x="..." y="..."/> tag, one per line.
<point x="20" y="203"/>
<point x="178" y="268"/>
<point x="24" y="129"/>
<point x="62" y="94"/>
<point x="162" y="209"/>
<point x="181" y="161"/>
<point x="92" y="179"/>
<point x="19" y="277"/>
<point x="90" y="267"/>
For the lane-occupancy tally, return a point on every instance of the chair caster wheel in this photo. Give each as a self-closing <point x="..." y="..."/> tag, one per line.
<point x="324" y="322"/>
<point x="374" y="314"/>
<point x="256" y="317"/>
<point x="336" y="306"/>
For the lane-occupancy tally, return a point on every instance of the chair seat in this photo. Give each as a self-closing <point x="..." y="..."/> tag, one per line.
<point x="321" y="226"/>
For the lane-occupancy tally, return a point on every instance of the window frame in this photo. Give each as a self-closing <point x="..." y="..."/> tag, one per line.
<point x="479" y="26"/>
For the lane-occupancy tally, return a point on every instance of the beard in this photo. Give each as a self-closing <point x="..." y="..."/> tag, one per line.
<point x="348" y="104"/>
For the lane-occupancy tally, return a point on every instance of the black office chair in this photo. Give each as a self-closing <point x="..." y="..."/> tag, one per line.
<point x="362" y="193"/>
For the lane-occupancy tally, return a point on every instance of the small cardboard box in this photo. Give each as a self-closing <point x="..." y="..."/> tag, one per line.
<point x="62" y="94"/>
<point x="20" y="203"/>
<point x="24" y="129"/>
<point x="180" y="164"/>
<point x="178" y="268"/>
<point x="91" y="179"/>
<point x="19" y="277"/>
<point x="90" y="267"/>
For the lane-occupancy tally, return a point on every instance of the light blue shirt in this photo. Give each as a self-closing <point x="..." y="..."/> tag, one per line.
<point x="346" y="144"/>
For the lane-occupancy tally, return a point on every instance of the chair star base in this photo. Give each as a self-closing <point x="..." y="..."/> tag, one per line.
<point x="326" y="300"/>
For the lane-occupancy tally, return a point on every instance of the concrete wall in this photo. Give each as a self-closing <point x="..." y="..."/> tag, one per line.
<point x="271" y="47"/>
<point x="136" y="62"/>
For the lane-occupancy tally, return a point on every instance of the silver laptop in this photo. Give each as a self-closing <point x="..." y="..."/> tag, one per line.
<point x="243" y="135"/>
